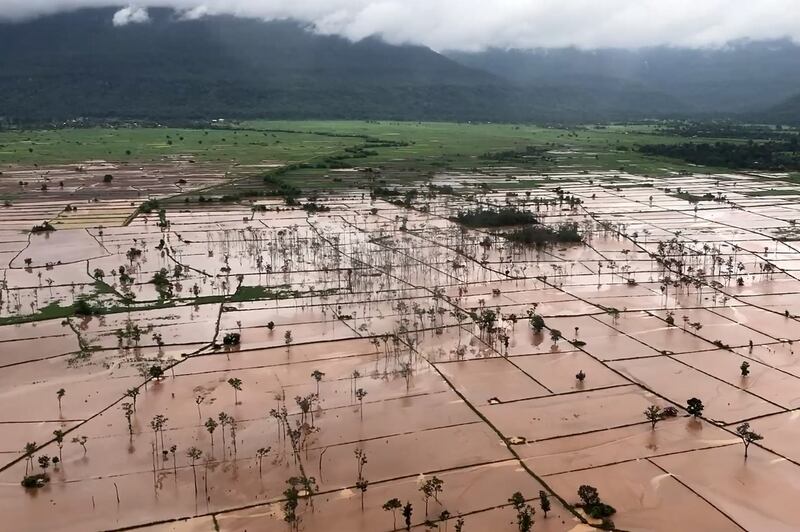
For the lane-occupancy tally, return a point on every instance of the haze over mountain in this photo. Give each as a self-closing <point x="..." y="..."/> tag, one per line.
<point x="86" y="63"/>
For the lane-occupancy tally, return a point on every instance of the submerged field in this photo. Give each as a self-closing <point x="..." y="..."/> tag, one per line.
<point x="365" y="319"/>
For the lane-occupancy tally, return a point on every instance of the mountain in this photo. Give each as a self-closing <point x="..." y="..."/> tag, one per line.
<point x="78" y="64"/>
<point x="739" y="78"/>
<point x="786" y="112"/>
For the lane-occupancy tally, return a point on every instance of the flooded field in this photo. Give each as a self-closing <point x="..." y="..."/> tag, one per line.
<point x="361" y="361"/>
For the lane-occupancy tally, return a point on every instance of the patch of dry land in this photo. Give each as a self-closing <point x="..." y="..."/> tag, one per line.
<point x="374" y="365"/>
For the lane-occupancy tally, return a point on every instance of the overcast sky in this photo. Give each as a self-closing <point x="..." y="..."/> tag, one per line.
<point x="477" y="24"/>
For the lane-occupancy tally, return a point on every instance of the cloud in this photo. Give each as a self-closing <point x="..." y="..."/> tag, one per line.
<point x="478" y="24"/>
<point x="130" y="15"/>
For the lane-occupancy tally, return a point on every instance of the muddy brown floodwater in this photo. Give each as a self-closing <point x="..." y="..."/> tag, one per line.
<point x="421" y="336"/>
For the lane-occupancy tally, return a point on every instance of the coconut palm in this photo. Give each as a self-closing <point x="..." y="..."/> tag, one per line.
<point x="317" y="375"/>
<point x="194" y="454"/>
<point x="211" y="426"/>
<point x="236" y="384"/>
<point x="260" y="454"/>
<point x="60" y="395"/>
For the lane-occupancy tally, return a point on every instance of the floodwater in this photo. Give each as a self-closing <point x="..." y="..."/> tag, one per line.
<point x="662" y="303"/>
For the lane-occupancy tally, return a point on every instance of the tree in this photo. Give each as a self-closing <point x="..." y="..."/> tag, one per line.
<point x="653" y="415"/>
<point x="198" y="401"/>
<point x="588" y="495"/>
<point x="81" y="440"/>
<point x="30" y="448"/>
<point x="361" y="393"/>
<point x="60" y="395"/>
<point x="173" y="450"/>
<point x="211" y="426"/>
<point x="591" y="503"/>
<point x="127" y="411"/>
<point x="408" y="510"/>
<point x="236" y="384"/>
<point x="132" y="393"/>
<point x="224" y="419"/>
<point x="156" y="372"/>
<point x="459" y="524"/>
<point x="544" y="502"/>
<point x="747" y="436"/>
<point x="694" y="406"/>
<point x="44" y="462"/>
<point x="260" y="454"/>
<point x="317" y="374"/>
<point x="292" y="495"/>
<point x="525" y="512"/>
<point x="361" y="482"/>
<point x="745" y="368"/>
<point x="392" y="505"/>
<point x="59" y="436"/>
<point x="287" y="337"/>
<point x="431" y="488"/>
<point x="158" y="423"/>
<point x="362" y="485"/>
<point x="555" y="335"/>
<point x="232" y="425"/>
<point x="194" y="454"/>
<point x="580" y="376"/>
<point x="536" y="321"/>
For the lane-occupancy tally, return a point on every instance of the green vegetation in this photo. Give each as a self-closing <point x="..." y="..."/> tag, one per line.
<point x="592" y="505"/>
<point x="769" y="155"/>
<point x="502" y="217"/>
<point x="542" y="235"/>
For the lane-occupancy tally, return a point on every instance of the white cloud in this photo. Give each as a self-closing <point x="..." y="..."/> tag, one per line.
<point x="130" y="15"/>
<point x="477" y="24"/>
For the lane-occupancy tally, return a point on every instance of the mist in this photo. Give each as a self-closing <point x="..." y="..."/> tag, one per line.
<point x="472" y="25"/>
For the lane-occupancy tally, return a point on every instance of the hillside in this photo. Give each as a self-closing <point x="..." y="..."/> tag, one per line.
<point x="79" y="64"/>
<point x="740" y="78"/>
<point x="786" y="112"/>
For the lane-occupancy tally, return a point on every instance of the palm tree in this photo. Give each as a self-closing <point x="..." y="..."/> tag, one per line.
<point x="59" y="395"/>
<point x="173" y="449"/>
<point x="197" y="400"/>
<point x="236" y="384"/>
<point x="30" y="448"/>
<point x="194" y="454"/>
<point x="361" y="393"/>
<point x="132" y="393"/>
<point x="260" y="454"/>
<point x="157" y="424"/>
<point x="59" y="436"/>
<point x="224" y="419"/>
<point x="211" y="426"/>
<point x="317" y="374"/>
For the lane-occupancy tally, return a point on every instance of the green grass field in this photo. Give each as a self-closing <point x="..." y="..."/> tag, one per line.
<point x="426" y="147"/>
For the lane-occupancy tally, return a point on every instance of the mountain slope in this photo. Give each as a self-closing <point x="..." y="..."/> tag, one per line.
<point x="79" y="64"/>
<point x="741" y="77"/>
<point x="786" y="112"/>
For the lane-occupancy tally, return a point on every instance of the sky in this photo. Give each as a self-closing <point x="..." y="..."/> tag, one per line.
<point x="472" y="25"/>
